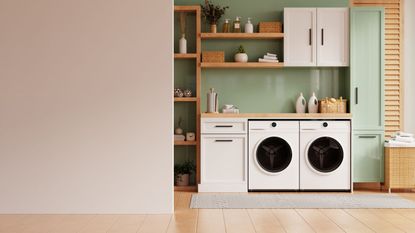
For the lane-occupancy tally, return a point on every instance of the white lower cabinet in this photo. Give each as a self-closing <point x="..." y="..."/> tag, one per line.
<point x="223" y="162"/>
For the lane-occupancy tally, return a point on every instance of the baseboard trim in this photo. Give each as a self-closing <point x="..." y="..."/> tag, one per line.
<point x="369" y="186"/>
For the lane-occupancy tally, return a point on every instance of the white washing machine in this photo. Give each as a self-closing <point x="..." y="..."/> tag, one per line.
<point x="273" y="155"/>
<point x="325" y="159"/>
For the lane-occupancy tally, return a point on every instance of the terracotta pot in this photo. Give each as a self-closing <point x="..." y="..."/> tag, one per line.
<point x="213" y="28"/>
<point x="241" y="57"/>
<point x="182" y="179"/>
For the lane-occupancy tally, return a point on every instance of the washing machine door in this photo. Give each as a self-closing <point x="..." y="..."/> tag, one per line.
<point x="325" y="154"/>
<point x="273" y="155"/>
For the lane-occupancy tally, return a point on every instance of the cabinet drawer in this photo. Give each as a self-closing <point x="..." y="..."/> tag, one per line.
<point x="224" y="126"/>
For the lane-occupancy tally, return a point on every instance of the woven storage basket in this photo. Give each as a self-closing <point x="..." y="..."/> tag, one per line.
<point x="213" y="56"/>
<point x="400" y="167"/>
<point x="327" y="106"/>
<point x="270" y="27"/>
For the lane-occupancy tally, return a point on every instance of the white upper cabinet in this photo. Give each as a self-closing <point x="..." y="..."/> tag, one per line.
<point x="316" y="37"/>
<point x="300" y="36"/>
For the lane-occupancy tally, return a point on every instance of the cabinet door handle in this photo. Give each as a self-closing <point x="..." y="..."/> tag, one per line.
<point x="223" y="140"/>
<point x="322" y="36"/>
<point x="356" y="90"/>
<point x="309" y="36"/>
<point x="223" y="126"/>
<point x="367" y="136"/>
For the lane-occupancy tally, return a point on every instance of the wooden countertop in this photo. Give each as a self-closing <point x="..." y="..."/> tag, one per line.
<point x="280" y="115"/>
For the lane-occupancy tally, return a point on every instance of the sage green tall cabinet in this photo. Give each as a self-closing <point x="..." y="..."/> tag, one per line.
<point x="367" y="92"/>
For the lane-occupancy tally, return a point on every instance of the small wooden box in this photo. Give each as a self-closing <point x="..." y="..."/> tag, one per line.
<point x="270" y="27"/>
<point x="399" y="167"/>
<point x="213" y="56"/>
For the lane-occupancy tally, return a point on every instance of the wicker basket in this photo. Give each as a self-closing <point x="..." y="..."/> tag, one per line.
<point x="399" y="167"/>
<point x="213" y="56"/>
<point x="270" y="27"/>
<point x="332" y="105"/>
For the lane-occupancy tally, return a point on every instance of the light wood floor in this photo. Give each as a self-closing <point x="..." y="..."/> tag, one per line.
<point x="187" y="220"/>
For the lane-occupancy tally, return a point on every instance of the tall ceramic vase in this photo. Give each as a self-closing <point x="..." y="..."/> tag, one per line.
<point x="213" y="28"/>
<point x="183" y="45"/>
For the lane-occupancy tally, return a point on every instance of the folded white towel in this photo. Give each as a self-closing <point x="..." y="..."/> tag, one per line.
<point x="266" y="60"/>
<point x="404" y="139"/>
<point x="403" y="134"/>
<point x="270" y="57"/>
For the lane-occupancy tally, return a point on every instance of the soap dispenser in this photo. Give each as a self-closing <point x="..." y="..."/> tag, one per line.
<point x="313" y="104"/>
<point x="249" y="28"/>
<point x="226" y="27"/>
<point x="237" y="24"/>
<point x="300" y="104"/>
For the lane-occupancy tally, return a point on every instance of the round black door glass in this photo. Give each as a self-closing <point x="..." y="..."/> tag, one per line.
<point x="274" y="154"/>
<point x="325" y="154"/>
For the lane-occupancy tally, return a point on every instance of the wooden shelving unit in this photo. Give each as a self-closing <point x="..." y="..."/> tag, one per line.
<point x="185" y="56"/>
<point x="248" y="36"/>
<point x="241" y="65"/>
<point x="197" y="11"/>
<point x="191" y="188"/>
<point x="185" y="99"/>
<point x="185" y="143"/>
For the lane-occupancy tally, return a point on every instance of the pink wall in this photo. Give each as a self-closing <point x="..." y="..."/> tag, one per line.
<point x="86" y="106"/>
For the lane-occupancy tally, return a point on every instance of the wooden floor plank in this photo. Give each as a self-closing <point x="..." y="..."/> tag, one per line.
<point x="345" y="221"/>
<point x="155" y="223"/>
<point x="264" y="221"/>
<point x="237" y="221"/>
<point x="71" y="223"/>
<point x="318" y="221"/>
<point x="292" y="221"/>
<point x="184" y="219"/>
<point x="372" y="221"/>
<point x="127" y="224"/>
<point x="396" y="219"/>
<point x="100" y="224"/>
<point x="210" y="220"/>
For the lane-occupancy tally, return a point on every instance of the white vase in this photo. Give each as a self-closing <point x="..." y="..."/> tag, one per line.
<point x="313" y="104"/>
<point x="241" y="57"/>
<point x="183" y="45"/>
<point x="300" y="104"/>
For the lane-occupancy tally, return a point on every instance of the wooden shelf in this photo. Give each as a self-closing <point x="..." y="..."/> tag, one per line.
<point x="185" y="143"/>
<point x="192" y="188"/>
<point x="255" y="36"/>
<point x="240" y="65"/>
<point x="185" y="56"/>
<point x="346" y="116"/>
<point x="186" y="8"/>
<point x="185" y="99"/>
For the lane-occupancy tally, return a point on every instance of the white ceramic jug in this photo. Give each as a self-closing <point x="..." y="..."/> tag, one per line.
<point x="300" y="105"/>
<point x="313" y="104"/>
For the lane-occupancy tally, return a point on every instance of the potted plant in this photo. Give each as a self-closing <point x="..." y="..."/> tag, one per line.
<point x="212" y="13"/>
<point x="182" y="172"/>
<point x="241" y="55"/>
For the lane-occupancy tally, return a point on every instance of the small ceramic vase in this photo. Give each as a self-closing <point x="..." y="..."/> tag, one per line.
<point x="213" y="28"/>
<point x="241" y="57"/>
<point x="300" y="104"/>
<point x="183" y="45"/>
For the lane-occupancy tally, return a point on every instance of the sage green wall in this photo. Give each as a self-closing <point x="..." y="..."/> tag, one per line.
<point x="255" y="90"/>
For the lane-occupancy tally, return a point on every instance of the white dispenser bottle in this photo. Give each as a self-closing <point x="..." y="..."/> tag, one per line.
<point x="313" y="104"/>
<point x="300" y="104"/>
<point x="249" y="28"/>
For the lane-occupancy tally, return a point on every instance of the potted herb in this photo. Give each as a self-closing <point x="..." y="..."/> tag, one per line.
<point x="212" y="13"/>
<point x="241" y="55"/>
<point x="182" y="172"/>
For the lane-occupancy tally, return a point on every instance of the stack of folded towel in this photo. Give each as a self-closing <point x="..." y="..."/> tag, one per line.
<point x="269" y="57"/>
<point x="179" y="137"/>
<point x="402" y="139"/>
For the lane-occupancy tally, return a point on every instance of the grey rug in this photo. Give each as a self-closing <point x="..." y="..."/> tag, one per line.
<point x="299" y="201"/>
